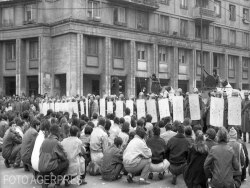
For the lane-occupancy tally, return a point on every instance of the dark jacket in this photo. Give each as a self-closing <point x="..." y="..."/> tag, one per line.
<point x="158" y="148"/>
<point x="177" y="149"/>
<point x="194" y="173"/>
<point x="51" y="154"/>
<point x="10" y="140"/>
<point x="222" y="161"/>
<point x="29" y="139"/>
<point x="111" y="158"/>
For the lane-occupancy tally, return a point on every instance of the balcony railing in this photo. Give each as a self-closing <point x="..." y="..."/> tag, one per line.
<point x="148" y="4"/>
<point x="206" y="14"/>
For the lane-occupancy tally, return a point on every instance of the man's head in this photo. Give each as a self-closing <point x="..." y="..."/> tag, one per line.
<point x="118" y="142"/>
<point x="73" y="130"/>
<point x="222" y="135"/>
<point x="101" y="121"/>
<point x="55" y="130"/>
<point x="211" y="133"/>
<point x="140" y="132"/>
<point x="156" y="131"/>
<point x="45" y="126"/>
<point x="95" y="116"/>
<point x="188" y="131"/>
<point x="180" y="128"/>
<point x="35" y="123"/>
<point x="125" y="127"/>
<point x="127" y="111"/>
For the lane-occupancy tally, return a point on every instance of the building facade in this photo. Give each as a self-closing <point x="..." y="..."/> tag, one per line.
<point x="69" y="47"/>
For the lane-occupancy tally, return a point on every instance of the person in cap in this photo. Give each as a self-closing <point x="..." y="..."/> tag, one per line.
<point x="245" y="125"/>
<point x="221" y="162"/>
<point x="239" y="154"/>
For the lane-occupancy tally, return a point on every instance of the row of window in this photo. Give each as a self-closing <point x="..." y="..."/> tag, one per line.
<point x="118" y="51"/>
<point x="11" y="51"/>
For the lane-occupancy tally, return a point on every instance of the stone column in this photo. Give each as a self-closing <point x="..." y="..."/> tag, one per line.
<point x="45" y="66"/>
<point x="20" y="68"/>
<point x="192" y="70"/>
<point x="1" y="70"/>
<point x="239" y="73"/>
<point x="106" y="66"/>
<point x="79" y="64"/>
<point x="132" y="68"/>
<point x="174" y="69"/>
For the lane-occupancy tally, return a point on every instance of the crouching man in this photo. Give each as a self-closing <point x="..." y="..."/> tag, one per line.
<point x="53" y="162"/>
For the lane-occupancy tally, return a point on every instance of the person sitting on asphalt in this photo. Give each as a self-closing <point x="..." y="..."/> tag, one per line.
<point x="28" y="142"/>
<point x="42" y="134"/>
<point x="112" y="161"/>
<point x="53" y="162"/>
<point x="137" y="157"/>
<point x="158" y="147"/>
<point x="74" y="150"/>
<point x="221" y="162"/>
<point x="177" y="152"/>
<point x="11" y="147"/>
<point x="98" y="144"/>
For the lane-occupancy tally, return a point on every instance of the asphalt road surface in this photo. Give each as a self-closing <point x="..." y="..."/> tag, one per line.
<point x="18" y="178"/>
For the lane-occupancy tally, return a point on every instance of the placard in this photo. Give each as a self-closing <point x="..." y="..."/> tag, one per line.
<point x="194" y="106"/>
<point x="52" y="106"/>
<point x="70" y="108"/>
<point x="82" y="107"/>
<point x="119" y="109"/>
<point x="130" y="105"/>
<point x="178" y="111"/>
<point x="163" y="108"/>
<point x="57" y="106"/>
<point x="234" y="111"/>
<point x="45" y="108"/>
<point x="103" y="107"/>
<point x="216" y="111"/>
<point x="151" y="109"/>
<point x="87" y="107"/>
<point x="141" y="112"/>
<point x="41" y="107"/>
<point x="110" y="107"/>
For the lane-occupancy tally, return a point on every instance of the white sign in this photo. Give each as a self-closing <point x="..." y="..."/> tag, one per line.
<point x="141" y="112"/>
<point x="103" y="107"/>
<point x="216" y="111"/>
<point x="119" y="109"/>
<point x="57" y="107"/>
<point x="178" y="111"/>
<point x="194" y="106"/>
<point x="82" y="107"/>
<point x="130" y="105"/>
<point x="234" y="111"/>
<point x="110" y="107"/>
<point x="164" y="108"/>
<point x="87" y="107"/>
<point x="151" y="109"/>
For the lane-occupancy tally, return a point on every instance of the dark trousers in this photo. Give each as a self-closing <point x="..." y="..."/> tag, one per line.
<point x="57" y="174"/>
<point x="15" y="156"/>
<point x="114" y="175"/>
<point x="177" y="169"/>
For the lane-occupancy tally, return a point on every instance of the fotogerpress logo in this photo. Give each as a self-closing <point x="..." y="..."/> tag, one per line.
<point x="30" y="180"/>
